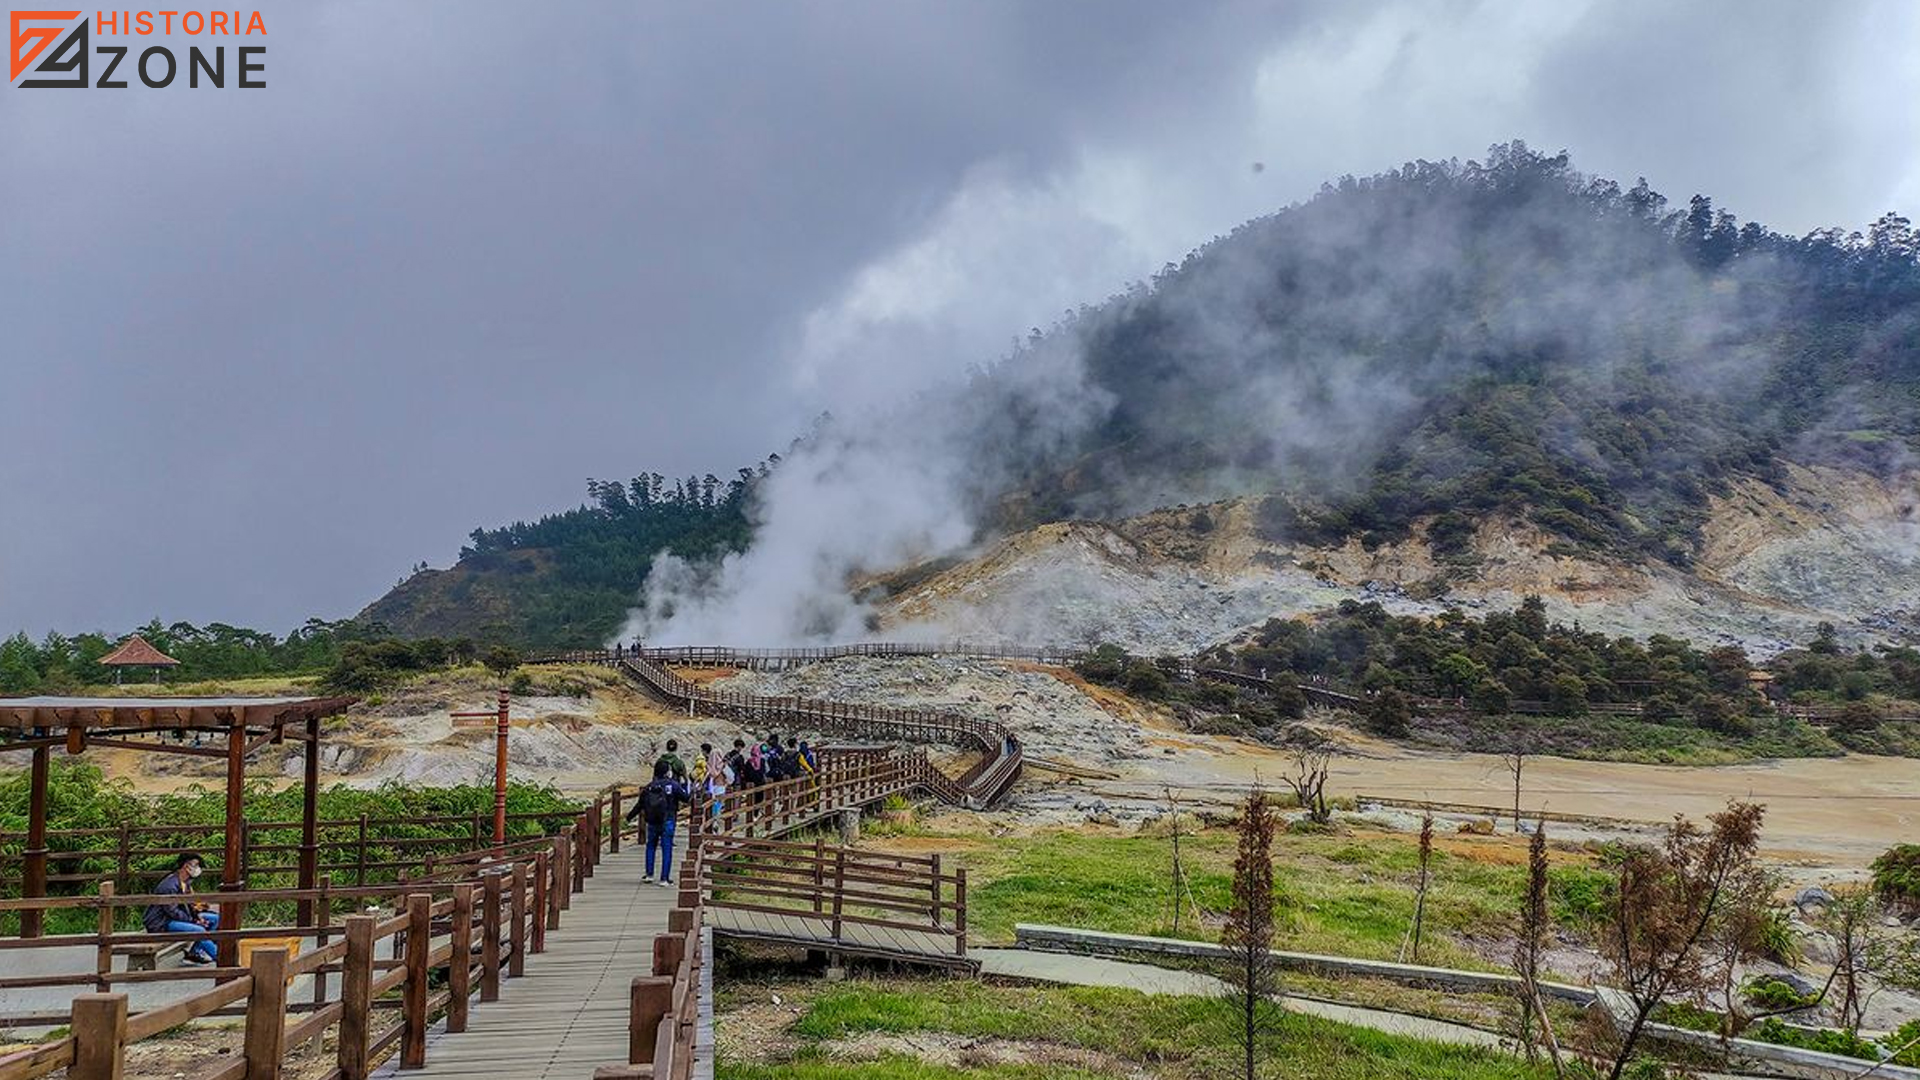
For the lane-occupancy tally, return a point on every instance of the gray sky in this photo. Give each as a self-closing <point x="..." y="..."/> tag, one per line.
<point x="265" y="349"/>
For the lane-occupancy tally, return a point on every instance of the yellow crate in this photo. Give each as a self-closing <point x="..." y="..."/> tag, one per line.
<point x="248" y="945"/>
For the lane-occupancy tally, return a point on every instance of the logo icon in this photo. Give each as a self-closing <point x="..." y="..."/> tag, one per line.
<point x="28" y="36"/>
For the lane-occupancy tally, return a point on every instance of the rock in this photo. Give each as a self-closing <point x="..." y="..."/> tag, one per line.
<point x="1800" y="985"/>
<point x="1820" y="948"/>
<point x="1813" y="895"/>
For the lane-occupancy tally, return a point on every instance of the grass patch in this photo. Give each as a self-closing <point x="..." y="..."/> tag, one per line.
<point x="1348" y="895"/>
<point x="1612" y="738"/>
<point x="894" y="1068"/>
<point x="1176" y="1036"/>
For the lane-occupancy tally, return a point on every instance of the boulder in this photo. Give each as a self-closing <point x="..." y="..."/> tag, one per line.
<point x="1812" y="896"/>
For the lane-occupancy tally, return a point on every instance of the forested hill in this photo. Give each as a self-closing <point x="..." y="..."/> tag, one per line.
<point x="1449" y="339"/>
<point x="1416" y="353"/>
<point x="568" y="579"/>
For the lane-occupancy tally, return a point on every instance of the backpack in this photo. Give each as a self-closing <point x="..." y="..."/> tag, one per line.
<point x="660" y="800"/>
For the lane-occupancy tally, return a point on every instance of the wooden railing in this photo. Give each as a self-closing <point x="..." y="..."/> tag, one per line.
<point x="837" y="898"/>
<point x="494" y="908"/>
<point x="359" y="850"/>
<point x="984" y="784"/>
<point x="780" y="659"/>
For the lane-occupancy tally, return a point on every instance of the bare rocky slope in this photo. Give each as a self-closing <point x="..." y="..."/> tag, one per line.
<point x="1826" y="545"/>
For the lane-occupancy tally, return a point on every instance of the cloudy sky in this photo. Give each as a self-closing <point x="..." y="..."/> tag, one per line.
<point x="265" y="349"/>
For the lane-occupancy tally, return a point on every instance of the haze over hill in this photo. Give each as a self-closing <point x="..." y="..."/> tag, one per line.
<point x="1462" y="380"/>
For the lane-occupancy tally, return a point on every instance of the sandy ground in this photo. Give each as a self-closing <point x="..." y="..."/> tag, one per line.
<point x="1831" y="813"/>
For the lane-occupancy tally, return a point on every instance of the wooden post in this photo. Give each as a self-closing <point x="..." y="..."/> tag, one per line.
<point x="360" y="858"/>
<point x="123" y="869"/>
<point x="33" y="860"/>
<point x="819" y="871"/>
<point x="577" y="856"/>
<point x="933" y="904"/>
<point x="670" y="948"/>
<point x="99" y="1036"/>
<point x="593" y="842"/>
<point x="501" y="728"/>
<point x="323" y="921"/>
<point x="309" y="821"/>
<point x="490" y="938"/>
<point x="413" y="1039"/>
<point x="613" y="833"/>
<point x="460" y="959"/>
<point x="839" y="887"/>
<point x="649" y="998"/>
<point x="517" y="925"/>
<point x="232" y="880"/>
<point x="541" y="872"/>
<point x="356" y="998"/>
<point x="960" y="911"/>
<point x="266" y="1036"/>
<point x="103" y="953"/>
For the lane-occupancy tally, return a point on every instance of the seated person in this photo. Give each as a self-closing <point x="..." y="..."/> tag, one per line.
<point x="185" y="917"/>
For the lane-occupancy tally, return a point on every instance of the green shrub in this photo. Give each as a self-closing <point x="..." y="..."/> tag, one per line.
<point x="1896" y="875"/>
<point x="1774" y="994"/>
<point x="1907" y="1037"/>
<point x="1825" y="1040"/>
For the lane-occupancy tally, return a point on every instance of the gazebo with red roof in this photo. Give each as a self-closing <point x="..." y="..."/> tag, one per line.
<point x="136" y="651"/>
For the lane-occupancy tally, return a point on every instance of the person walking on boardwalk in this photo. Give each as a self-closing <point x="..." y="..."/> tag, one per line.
<point x="671" y="759"/>
<point x="719" y="778"/>
<point x="659" y="805"/>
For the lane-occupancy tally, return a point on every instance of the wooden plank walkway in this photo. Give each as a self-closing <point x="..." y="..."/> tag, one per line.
<point x="813" y="931"/>
<point x="568" y="1013"/>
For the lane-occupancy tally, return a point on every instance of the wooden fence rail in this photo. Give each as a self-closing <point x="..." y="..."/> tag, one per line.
<point x="477" y="929"/>
<point x="985" y="783"/>
<point x="345" y="847"/>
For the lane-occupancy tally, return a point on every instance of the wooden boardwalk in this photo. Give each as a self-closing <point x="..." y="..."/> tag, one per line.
<point x="814" y="932"/>
<point x="568" y="1014"/>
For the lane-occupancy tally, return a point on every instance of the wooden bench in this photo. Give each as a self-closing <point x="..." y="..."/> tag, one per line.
<point x="146" y="955"/>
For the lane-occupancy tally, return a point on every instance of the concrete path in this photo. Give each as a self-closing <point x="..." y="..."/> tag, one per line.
<point x="568" y="1013"/>
<point x="141" y="996"/>
<point x="1076" y="970"/>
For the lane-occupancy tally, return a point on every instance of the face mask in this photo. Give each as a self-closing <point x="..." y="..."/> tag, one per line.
<point x="193" y="871"/>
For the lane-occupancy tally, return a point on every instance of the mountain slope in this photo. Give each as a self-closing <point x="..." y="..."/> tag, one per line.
<point x="1831" y="545"/>
<point x="1513" y="336"/>
<point x="1464" y="381"/>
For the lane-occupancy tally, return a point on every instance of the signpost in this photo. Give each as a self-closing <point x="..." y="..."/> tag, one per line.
<point x="500" y="729"/>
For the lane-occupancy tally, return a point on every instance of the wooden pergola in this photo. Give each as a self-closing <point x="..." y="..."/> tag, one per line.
<point x="39" y="724"/>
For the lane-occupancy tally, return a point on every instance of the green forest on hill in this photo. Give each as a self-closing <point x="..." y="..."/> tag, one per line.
<point x="1686" y="703"/>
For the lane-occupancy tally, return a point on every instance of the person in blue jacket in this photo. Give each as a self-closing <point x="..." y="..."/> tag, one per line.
<point x="184" y="917"/>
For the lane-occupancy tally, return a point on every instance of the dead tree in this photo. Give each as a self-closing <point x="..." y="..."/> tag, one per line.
<point x="1870" y="955"/>
<point x="1420" y="890"/>
<point x="1664" y="904"/>
<point x="1182" y="891"/>
<point x="1736" y="937"/>
<point x="1251" y="970"/>
<point x="1536" y="1027"/>
<point x="1515" y="759"/>
<point x="1308" y="779"/>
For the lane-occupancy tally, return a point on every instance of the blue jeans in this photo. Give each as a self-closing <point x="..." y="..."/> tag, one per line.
<point x="660" y="837"/>
<point x="208" y="921"/>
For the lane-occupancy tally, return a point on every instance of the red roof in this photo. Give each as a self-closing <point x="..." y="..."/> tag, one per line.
<point x="136" y="652"/>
